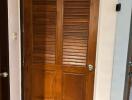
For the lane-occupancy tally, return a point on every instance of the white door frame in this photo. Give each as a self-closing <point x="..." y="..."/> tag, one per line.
<point x="105" y="49"/>
<point x="14" y="49"/>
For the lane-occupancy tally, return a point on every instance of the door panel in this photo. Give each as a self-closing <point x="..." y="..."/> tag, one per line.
<point x="75" y="31"/>
<point x="44" y="31"/>
<point x="44" y="16"/>
<point x="74" y="86"/>
<point x="59" y="44"/>
<point x="4" y="56"/>
<point x="46" y="80"/>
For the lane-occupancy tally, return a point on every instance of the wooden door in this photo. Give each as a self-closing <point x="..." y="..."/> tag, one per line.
<point x="4" y="55"/>
<point x="59" y="43"/>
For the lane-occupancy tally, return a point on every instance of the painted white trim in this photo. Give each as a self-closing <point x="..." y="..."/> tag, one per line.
<point x="14" y="49"/>
<point x="121" y="48"/>
<point x="105" y="49"/>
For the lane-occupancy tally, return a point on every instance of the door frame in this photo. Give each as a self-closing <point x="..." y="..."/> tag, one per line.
<point x="107" y="17"/>
<point x="14" y="49"/>
<point x="128" y="78"/>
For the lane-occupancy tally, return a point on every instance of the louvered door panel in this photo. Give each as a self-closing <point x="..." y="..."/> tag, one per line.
<point x="75" y="31"/>
<point x="43" y="74"/>
<point x="44" y="31"/>
<point x="59" y="44"/>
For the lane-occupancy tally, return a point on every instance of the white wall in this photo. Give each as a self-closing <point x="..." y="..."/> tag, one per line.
<point x="121" y="46"/>
<point x="105" y="49"/>
<point x="14" y="50"/>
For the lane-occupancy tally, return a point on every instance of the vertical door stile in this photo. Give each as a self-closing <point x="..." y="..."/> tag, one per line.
<point x="93" y="28"/>
<point x="59" y="33"/>
<point x="27" y="50"/>
<point x="59" y="41"/>
<point x="92" y="40"/>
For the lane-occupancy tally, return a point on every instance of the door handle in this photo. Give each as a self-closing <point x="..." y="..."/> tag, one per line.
<point x="4" y="74"/>
<point x="90" y="67"/>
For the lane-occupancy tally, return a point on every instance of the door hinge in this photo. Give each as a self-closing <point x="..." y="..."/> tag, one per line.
<point x="130" y="63"/>
<point x="130" y="74"/>
<point x="23" y="63"/>
<point x="118" y="7"/>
